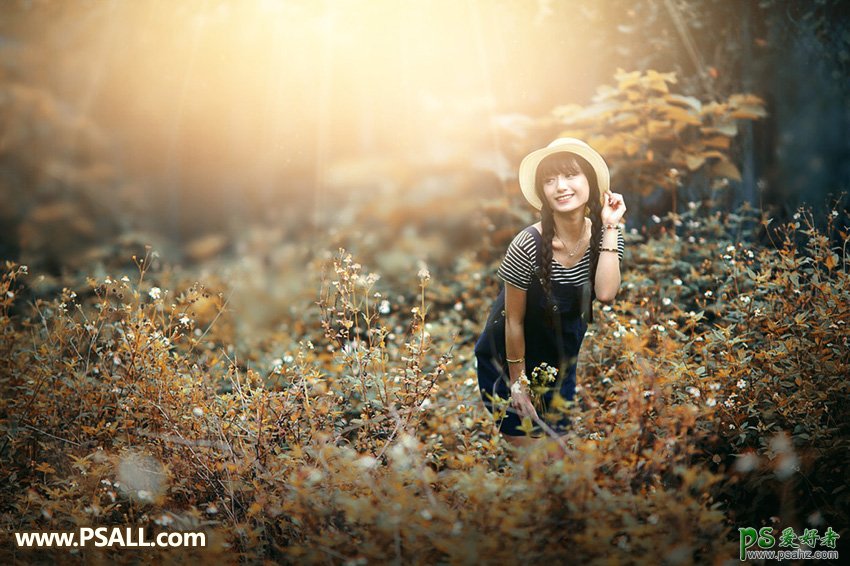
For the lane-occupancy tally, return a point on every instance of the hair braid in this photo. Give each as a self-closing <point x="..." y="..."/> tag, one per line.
<point x="595" y="209"/>
<point x="547" y="220"/>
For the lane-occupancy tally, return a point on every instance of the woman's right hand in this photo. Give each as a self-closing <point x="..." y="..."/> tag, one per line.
<point x="521" y="402"/>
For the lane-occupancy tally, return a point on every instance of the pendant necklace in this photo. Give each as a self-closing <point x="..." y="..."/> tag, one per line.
<point x="580" y="240"/>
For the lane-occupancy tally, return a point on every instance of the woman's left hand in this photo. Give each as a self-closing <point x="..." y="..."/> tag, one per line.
<point x="613" y="209"/>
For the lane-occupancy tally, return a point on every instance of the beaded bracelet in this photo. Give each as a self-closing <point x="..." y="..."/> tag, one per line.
<point x="612" y="227"/>
<point x="609" y="250"/>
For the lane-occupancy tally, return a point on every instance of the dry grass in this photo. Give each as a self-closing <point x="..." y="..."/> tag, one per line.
<point x="713" y="395"/>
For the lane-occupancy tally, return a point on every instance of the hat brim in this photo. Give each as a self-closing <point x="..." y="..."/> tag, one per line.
<point x="528" y="167"/>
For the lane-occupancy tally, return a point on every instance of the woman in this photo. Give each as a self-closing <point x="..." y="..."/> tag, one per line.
<point x="544" y="306"/>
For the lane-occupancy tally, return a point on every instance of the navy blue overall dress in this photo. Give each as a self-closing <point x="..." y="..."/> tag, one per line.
<point x="558" y="346"/>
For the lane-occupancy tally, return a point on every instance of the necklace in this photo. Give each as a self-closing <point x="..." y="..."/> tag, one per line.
<point x="580" y="240"/>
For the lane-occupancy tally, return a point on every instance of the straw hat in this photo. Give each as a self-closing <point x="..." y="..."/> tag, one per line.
<point x="528" y="167"/>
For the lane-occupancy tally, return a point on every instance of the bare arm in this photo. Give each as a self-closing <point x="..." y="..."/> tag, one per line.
<point x="514" y="329"/>
<point x="515" y="346"/>
<point x="608" y="269"/>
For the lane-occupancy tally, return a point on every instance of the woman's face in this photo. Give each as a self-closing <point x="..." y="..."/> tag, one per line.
<point x="566" y="191"/>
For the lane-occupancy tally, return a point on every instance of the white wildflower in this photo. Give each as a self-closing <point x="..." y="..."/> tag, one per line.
<point x="198" y="412"/>
<point x="655" y="218"/>
<point x="677" y="281"/>
<point x="693" y="391"/>
<point x="746" y="462"/>
<point x="666" y="301"/>
<point x="155" y="293"/>
<point x="741" y="384"/>
<point x="384" y="308"/>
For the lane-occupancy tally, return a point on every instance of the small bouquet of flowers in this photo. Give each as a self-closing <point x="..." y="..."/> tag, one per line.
<point x="541" y="379"/>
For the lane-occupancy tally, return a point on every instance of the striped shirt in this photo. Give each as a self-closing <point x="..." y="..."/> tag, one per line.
<point x="517" y="267"/>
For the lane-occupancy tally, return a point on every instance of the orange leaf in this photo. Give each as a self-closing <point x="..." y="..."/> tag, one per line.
<point x="831" y="261"/>
<point x="45" y="468"/>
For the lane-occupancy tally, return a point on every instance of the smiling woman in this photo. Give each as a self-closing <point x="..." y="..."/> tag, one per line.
<point x="538" y="321"/>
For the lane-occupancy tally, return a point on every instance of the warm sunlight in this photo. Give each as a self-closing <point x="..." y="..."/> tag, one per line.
<point x="262" y="98"/>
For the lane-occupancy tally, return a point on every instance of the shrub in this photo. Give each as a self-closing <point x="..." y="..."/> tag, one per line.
<point x="371" y="444"/>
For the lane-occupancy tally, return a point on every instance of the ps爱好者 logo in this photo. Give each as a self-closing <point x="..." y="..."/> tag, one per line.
<point x="759" y="544"/>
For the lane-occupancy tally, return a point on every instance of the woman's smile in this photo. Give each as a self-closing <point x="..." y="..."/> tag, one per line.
<point x="566" y="189"/>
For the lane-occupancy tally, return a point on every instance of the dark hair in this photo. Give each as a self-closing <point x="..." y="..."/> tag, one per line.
<point x="567" y="163"/>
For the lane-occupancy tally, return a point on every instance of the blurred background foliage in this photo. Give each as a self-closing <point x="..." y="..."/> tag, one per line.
<point x="184" y="124"/>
